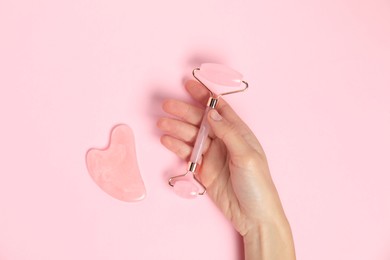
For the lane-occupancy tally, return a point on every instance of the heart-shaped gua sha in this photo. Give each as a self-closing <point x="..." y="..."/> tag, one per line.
<point x="115" y="169"/>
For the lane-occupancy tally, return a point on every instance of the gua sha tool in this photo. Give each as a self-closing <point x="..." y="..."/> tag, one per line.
<point x="217" y="77"/>
<point x="115" y="169"/>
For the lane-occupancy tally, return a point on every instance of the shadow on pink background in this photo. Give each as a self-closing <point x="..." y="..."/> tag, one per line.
<point x="318" y="101"/>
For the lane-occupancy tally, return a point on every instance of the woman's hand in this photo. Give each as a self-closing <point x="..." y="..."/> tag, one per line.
<point x="235" y="172"/>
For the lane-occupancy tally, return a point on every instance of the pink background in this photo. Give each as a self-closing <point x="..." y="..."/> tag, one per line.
<point x="319" y="101"/>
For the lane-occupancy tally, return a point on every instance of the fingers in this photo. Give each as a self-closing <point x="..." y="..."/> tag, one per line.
<point x="229" y="134"/>
<point x="179" y="137"/>
<point x="180" y="134"/>
<point x="193" y="114"/>
<point x="178" y="129"/>
<point x="180" y="148"/>
<point x="183" y="111"/>
<point x="197" y="91"/>
<point x="201" y="94"/>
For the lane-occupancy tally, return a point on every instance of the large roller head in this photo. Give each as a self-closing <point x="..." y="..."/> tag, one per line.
<point x="220" y="79"/>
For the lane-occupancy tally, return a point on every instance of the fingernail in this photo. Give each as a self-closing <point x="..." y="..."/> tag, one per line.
<point x="215" y="115"/>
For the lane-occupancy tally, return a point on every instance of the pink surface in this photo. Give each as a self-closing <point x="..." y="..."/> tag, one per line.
<point x="115" y="169"/>
<point x="318" y="101"/>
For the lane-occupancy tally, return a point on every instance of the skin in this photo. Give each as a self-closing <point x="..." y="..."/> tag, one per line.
<point x="234" y="170"/>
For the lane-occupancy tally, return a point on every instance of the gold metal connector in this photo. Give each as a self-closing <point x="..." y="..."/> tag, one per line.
<point x="192" y="166"/>
<point x="212" y="103"/>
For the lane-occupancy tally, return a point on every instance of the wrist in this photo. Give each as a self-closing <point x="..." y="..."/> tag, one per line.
<point x="270" y="240"/>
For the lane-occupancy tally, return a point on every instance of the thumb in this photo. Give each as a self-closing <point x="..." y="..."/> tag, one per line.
<point x="226" y="131"/>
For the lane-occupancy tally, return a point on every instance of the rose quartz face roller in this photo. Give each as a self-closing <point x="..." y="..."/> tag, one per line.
<point x="216" y="77"/>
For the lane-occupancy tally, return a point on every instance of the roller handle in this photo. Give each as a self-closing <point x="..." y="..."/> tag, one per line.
<point x="203" y="132"/>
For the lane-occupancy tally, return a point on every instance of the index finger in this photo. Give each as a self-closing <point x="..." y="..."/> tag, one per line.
<point x="202" y="95"/>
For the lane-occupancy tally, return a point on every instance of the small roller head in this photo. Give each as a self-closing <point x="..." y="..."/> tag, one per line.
<point x="186" y="189"/>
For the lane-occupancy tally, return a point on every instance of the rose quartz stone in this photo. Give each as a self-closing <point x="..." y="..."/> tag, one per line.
<point x="219" y="75"/>
<point x="186" y="189"/>
<point x="115" y="168"/>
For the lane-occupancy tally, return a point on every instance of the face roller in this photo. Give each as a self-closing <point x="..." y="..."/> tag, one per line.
<point x="212" y="76"/>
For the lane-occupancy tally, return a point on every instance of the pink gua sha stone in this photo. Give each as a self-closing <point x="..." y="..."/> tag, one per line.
<point x="115" y="169"/>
